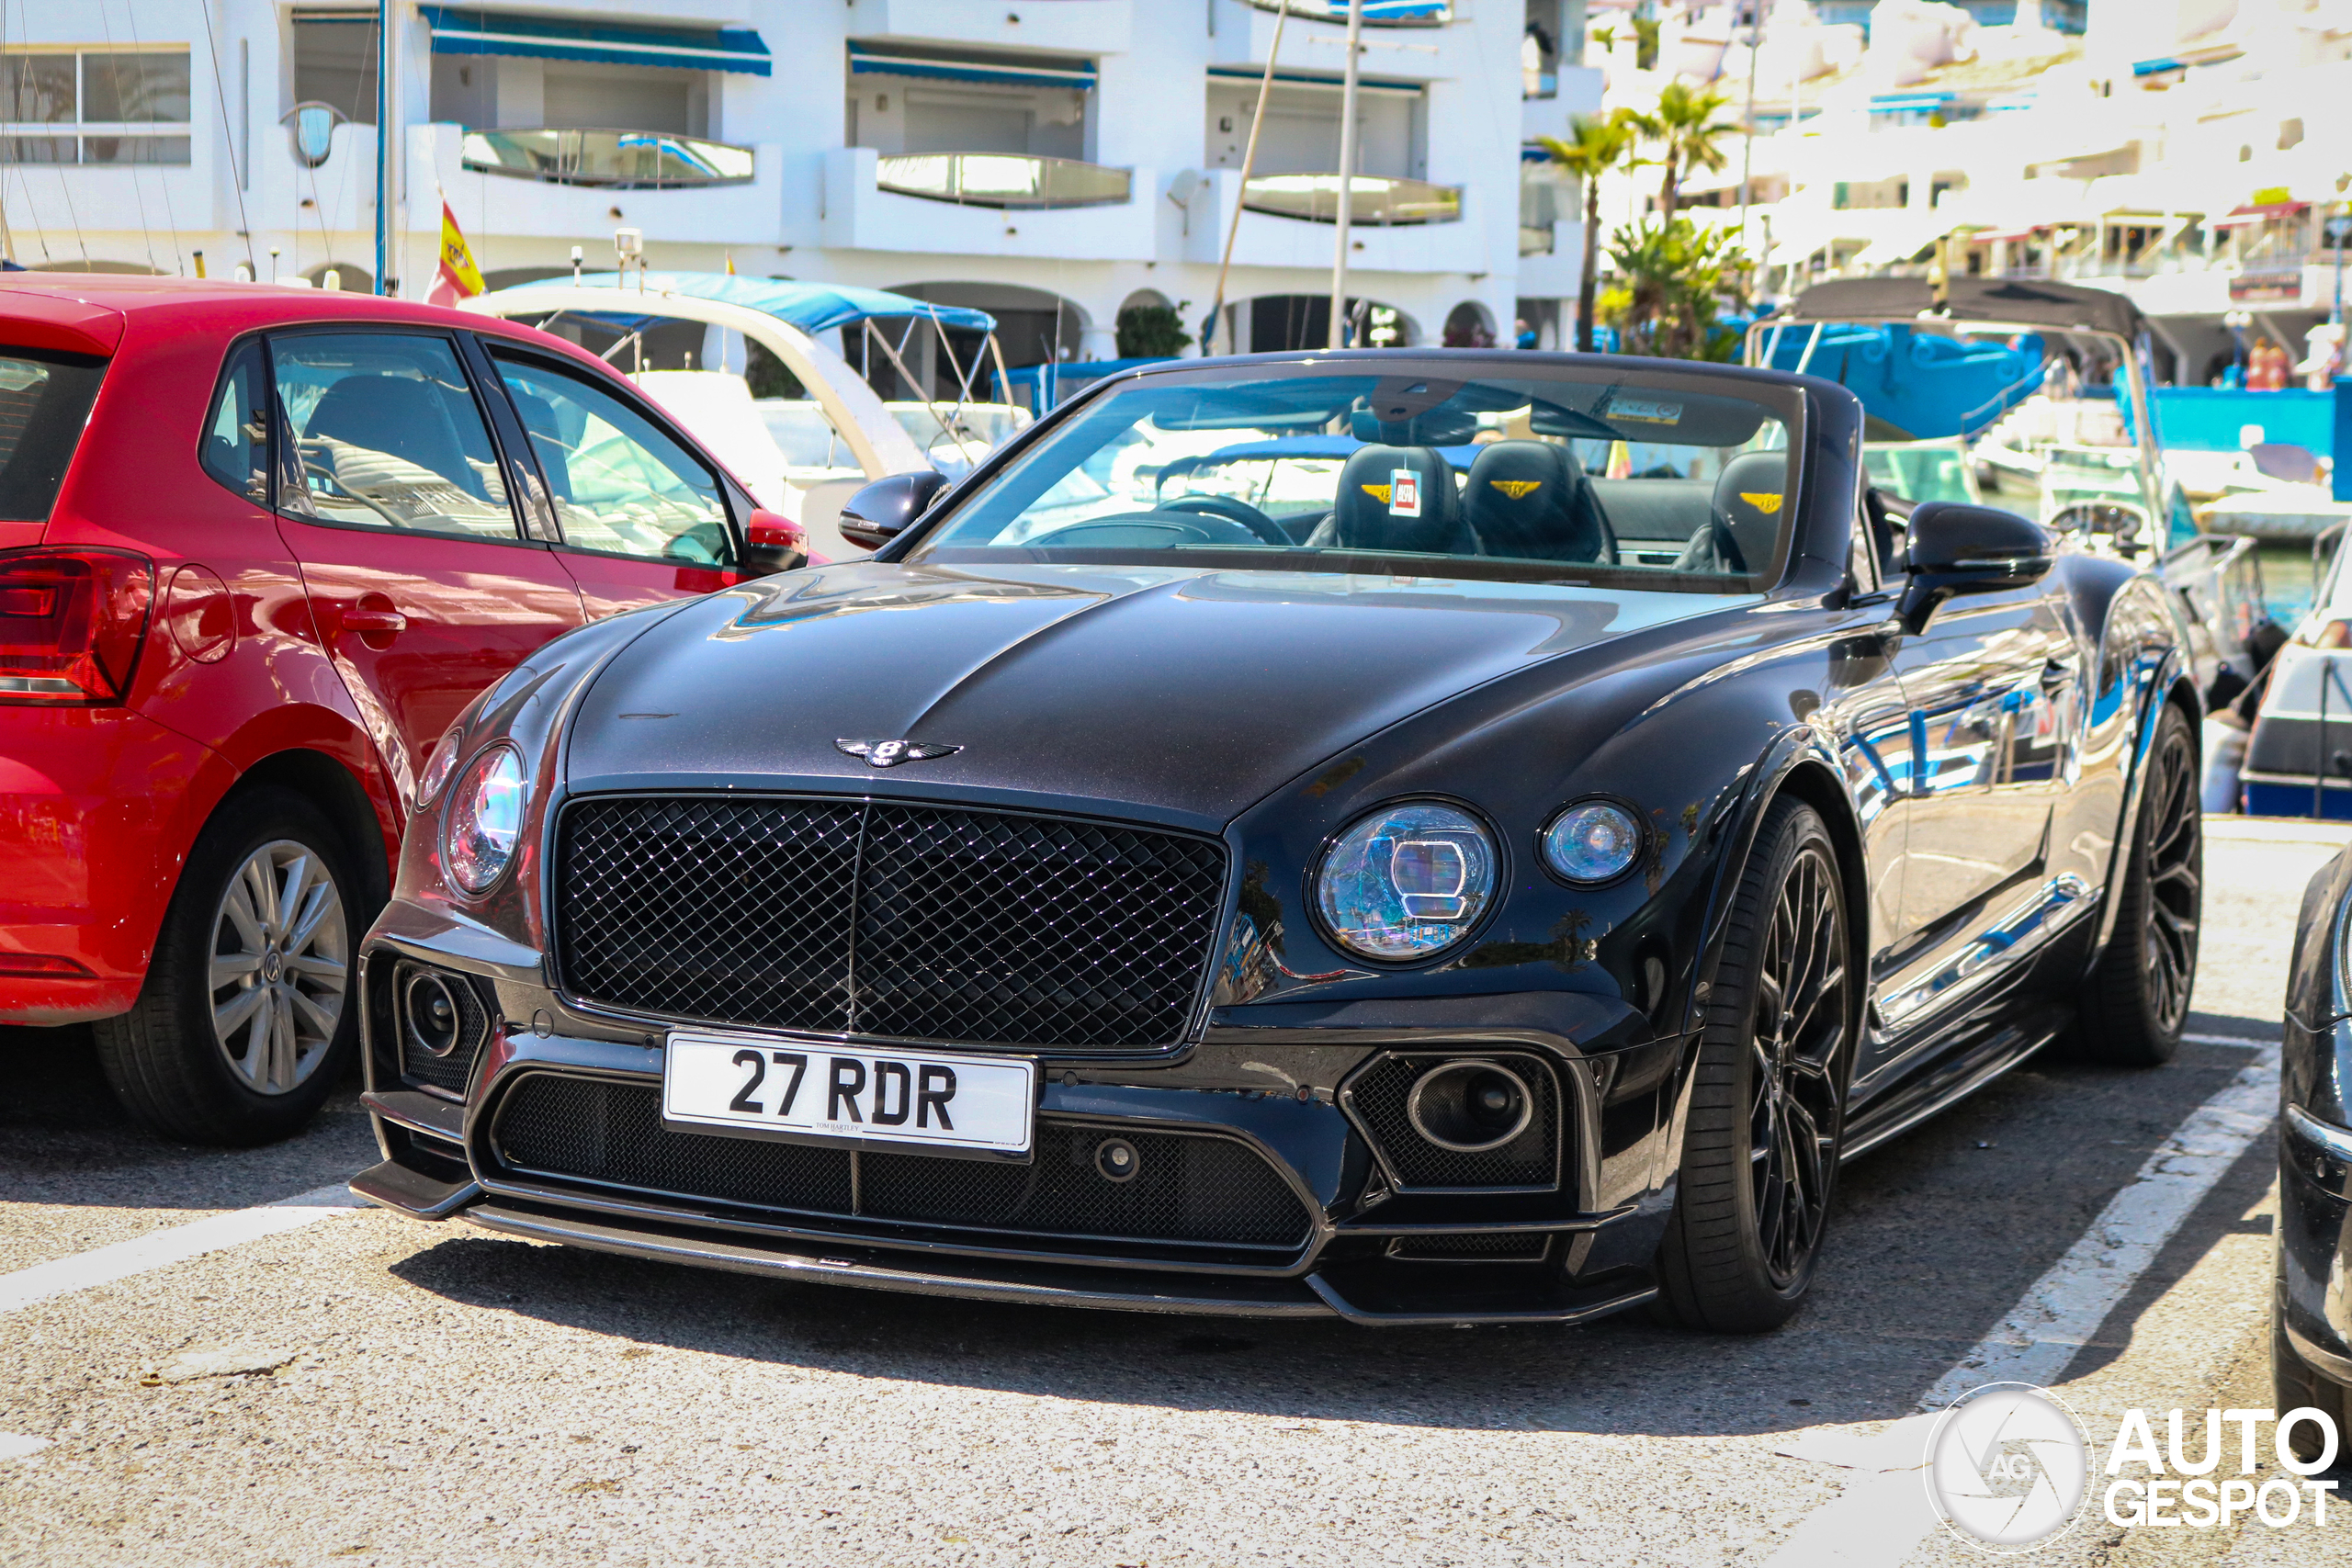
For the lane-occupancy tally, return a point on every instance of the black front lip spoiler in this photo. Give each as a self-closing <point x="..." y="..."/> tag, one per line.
<point x="1315" y="1296"/>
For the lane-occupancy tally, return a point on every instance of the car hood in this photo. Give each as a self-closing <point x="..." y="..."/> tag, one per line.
<point x="1185" y="693"/>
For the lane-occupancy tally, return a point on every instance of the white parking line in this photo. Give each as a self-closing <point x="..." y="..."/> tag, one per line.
<point x="1883" y="1513"/>
<point x="175" y="1243"/>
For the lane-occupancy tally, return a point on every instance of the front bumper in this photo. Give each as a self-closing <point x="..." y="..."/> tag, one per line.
<point x="2315" y="1241"/>
<point x="1362" y="1251"/>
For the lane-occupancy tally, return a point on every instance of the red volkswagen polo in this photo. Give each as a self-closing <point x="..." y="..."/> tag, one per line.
<point x="257" y="548"/>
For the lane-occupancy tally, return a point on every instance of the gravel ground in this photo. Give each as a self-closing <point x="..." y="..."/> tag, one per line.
<point x="438" y="1396"/>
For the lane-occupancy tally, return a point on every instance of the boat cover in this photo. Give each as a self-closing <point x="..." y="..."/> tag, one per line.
<point x="812" y="306"/>
<point x="2027" y="301"/>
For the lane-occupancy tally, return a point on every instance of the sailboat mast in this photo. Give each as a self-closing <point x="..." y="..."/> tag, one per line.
<point x="383" y="137"/>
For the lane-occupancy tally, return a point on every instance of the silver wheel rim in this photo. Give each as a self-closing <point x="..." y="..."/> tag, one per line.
<point x="279" y="953"/>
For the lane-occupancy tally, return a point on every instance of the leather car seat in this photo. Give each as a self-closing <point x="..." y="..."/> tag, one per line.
<point x="1530" y="498"/>
<point x="1397" y="498"/>
<point x="1742" y="532"/>
<point x="399" y="416"/>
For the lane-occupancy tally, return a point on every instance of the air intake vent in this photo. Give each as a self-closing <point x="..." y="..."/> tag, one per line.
<point x="439" y="1024"/>
<point x="1186" y="1188"/>
<point x="1378" y="1098"/>
<point x="902" y="922"/>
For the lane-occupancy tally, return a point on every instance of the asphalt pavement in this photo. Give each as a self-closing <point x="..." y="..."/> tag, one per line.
<point x="346" y="1387"/>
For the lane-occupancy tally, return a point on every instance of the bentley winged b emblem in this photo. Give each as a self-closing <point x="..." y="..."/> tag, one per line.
<point x="891" y="753"/>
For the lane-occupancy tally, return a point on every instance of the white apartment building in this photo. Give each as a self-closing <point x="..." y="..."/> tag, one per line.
<point x="1050" y="161"/>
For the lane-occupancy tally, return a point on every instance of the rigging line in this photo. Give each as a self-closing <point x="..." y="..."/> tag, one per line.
<point x="162" y="179"/>
<point x="138" y="187"/>
<point x="64" y="185"/>
<point x="228" y="142"/>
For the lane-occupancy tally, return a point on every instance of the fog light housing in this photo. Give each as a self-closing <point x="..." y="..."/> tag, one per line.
<point x="430" y="1016"/>
<point x="1470" y="1106"/>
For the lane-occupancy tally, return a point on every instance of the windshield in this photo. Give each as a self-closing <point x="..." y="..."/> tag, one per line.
<point x="1653" y="478"/>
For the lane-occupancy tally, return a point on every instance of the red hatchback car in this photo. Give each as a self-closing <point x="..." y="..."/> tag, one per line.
<point x="258" y="546"/>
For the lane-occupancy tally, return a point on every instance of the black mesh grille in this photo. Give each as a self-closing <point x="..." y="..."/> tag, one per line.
<point x="418" y="1066"/>
<point x="1505" y="1248"/>
<point x="1531" y="1159"/>
<point x="1187" y="1188"/>
<point x="904" y="922"/>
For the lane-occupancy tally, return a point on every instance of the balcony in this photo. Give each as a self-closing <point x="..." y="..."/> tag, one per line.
<point x="1376" y="13"/>
<point x="986" y="204"/>
<point x="1372" y="199"/>
<point x="1293" y="236"/>
<point x="527" y="203"/>
<point x="1002" y="179"/>
<point x="608" y="160"/>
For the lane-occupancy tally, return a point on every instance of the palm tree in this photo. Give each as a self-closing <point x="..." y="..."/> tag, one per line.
<point x="1685" y="126"/>
<point x="1597" y="145"/>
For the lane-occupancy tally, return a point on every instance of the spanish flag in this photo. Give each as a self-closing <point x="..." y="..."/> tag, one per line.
<point x="458" y="277"/>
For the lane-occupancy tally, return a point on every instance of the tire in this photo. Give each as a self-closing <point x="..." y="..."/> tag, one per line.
<point x="2136" y="998"/>
<point x="1767" y="1103"/>
<point x="168" y="1058"/>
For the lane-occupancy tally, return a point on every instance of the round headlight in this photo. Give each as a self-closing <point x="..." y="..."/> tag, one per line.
<point x="1592" y="842"/>
<point x="1406" y="881"/>
<point x="437" y="768"/>
<point x="485" y="819"/>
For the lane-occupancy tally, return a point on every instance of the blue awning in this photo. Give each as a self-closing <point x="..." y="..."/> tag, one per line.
<point x="812" y="306"/>
<point x="2156" y="67"/>
<point x="1003" y="69"/>
<point x="1896" y="103"/>
<point x="465" y="31"/>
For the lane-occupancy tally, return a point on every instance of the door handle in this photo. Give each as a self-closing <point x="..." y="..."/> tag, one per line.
<point x="374" y="623"/>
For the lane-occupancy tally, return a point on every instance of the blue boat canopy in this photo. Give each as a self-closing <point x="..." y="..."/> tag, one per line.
<point x="469" y="30"/>
<point x="812" y="306"/>
<point x="1005" y="70"/>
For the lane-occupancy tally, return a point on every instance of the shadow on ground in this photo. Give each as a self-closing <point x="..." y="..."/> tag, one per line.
<point x="1937" y="1235"/>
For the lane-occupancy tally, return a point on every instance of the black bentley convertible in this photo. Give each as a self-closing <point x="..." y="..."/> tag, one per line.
<point x="1418" y="837"/>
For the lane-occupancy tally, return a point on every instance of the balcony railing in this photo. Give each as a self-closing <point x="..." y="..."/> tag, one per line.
<point x="1376" y="13"/>
<point x="618" y="160"/>
<point x="1370" y="199"/>
<point x="1002" y="179"/>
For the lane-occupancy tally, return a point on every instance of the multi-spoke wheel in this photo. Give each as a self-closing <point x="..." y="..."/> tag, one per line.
<point x="247" y="1014"/>
<point x="279" y="963"/>
<point x="1760" y="1156"/>
<point x="2138" y="996"/>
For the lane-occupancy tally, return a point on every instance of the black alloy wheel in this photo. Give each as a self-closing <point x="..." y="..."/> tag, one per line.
<point x="1759" y="1158"/>
<point x="2137" y="1000"/>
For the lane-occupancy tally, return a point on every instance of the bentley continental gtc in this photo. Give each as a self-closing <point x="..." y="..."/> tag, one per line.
<point x="1491" y="859"/>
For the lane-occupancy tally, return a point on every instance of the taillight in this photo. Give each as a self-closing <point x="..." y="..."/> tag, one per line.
<point x="71" y="622"/>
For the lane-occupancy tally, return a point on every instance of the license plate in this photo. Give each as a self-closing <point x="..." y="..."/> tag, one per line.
<point x="734" y="1083"/>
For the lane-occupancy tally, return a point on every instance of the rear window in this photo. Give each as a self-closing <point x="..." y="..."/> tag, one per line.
<point x="44" y="403"/>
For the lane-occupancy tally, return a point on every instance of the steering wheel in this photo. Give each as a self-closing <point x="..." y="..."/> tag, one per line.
<point x="1239" y="512"/>
<point x="1145" y="530"/>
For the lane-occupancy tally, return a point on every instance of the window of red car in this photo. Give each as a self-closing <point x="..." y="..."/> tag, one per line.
<point x="44" y="403"/>
<point x="236" y="433"/>
<point x="384" y="432"/>
<point x="622" y="485"/>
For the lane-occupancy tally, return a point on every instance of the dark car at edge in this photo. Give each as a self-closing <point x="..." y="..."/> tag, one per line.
<point x="1415" y="837"/>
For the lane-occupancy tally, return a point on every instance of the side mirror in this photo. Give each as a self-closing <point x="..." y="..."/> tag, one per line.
<point x="1951" y="548"/>
<point x="774" y="542"/>
<point x="880" y="513"/>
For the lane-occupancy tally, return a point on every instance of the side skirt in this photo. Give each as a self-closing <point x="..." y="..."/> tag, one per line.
<point x="1951" y="1078"/>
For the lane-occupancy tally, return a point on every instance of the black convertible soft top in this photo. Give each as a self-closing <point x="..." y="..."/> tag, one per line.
<point x="2023" y="300"/>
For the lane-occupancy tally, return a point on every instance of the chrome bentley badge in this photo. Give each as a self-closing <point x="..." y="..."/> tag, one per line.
<point x="891" y="753"/>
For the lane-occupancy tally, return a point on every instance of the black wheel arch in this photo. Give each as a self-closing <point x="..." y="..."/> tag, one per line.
<point x="330" y="786"/>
